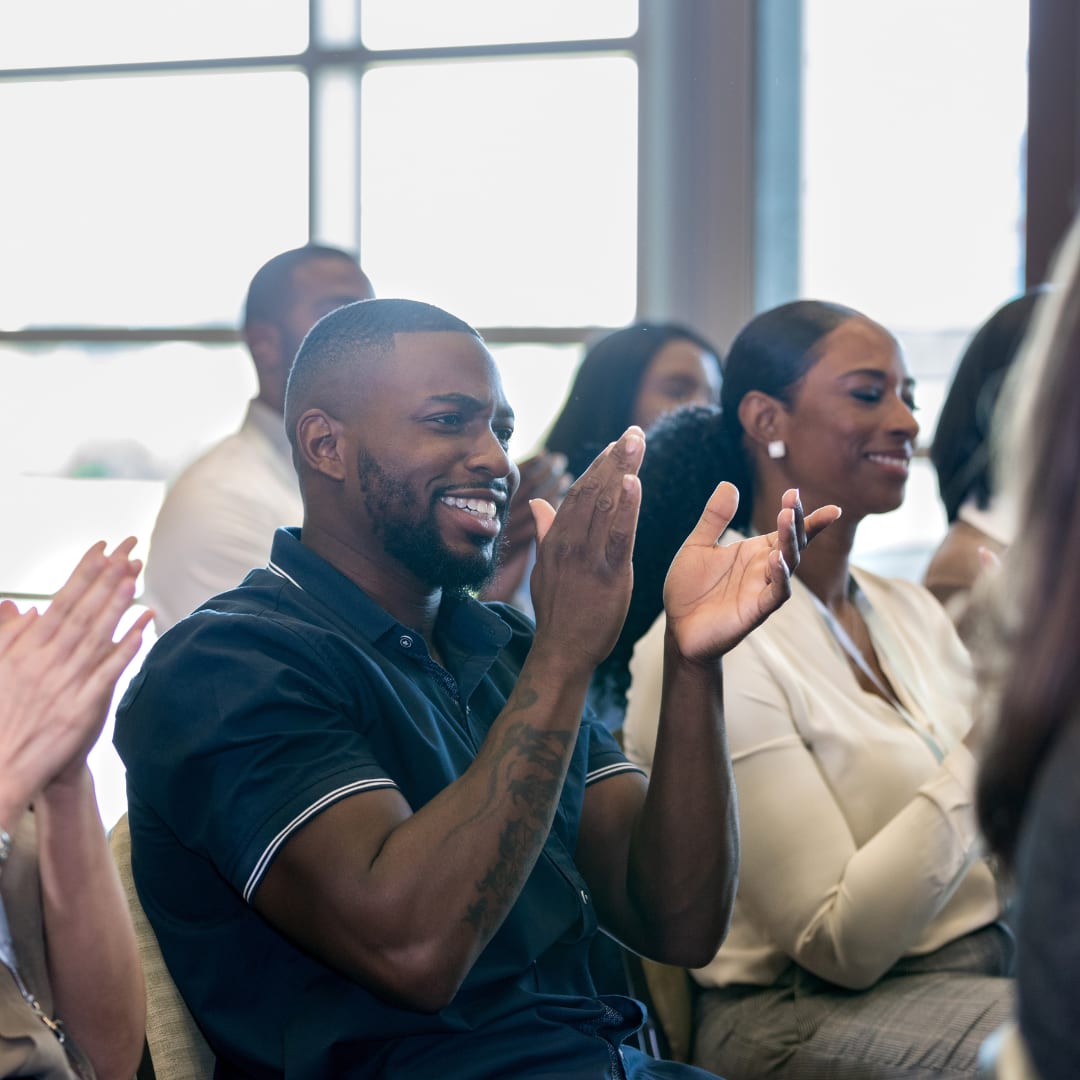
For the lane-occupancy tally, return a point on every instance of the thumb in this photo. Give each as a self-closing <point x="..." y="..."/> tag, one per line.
<point x="543" y="515"/>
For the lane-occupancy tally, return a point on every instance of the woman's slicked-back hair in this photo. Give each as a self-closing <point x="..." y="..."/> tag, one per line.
<point x="961" y="450"/>
<point x="770" y="355"/>
<point x="684" y="461"/>
<point x="600" y="405"/>
<point x="358" y="331"/>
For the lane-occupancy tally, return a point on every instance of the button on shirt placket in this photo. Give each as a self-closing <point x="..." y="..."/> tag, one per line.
<point x="443" y="677"/>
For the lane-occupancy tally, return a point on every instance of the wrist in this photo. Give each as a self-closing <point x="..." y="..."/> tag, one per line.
<point x="708" y="667"/>
<point x="70" y="786"/>
<point x="559" y="667"/>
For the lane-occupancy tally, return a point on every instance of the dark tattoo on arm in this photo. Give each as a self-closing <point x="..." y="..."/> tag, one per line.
<point x="530" y="765"/>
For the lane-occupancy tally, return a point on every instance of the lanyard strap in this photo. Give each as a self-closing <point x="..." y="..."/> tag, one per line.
<point x="843" y="639"/>
<point x="7" y="958"/>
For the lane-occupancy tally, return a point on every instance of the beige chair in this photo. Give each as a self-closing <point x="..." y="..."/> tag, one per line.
<point x="177" y="1049"/>
<point x="671" y="1002"/>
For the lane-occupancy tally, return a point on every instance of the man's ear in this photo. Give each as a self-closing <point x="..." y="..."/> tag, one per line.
<point x="319" y="444"/>
<point x="763" y="418"/>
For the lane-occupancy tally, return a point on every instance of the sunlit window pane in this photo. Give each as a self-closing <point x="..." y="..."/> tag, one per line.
<point x="504" y="191"/>
<point x="153" y="200"/>
<point x="536" y="379"/>
<point x="914" y="114"/>
<point x="51" y="33"/>
<point x="138" y="412"/>
<point x="407" y="24"/>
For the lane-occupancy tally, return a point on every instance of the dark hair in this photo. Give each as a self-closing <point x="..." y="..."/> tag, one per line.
<point x="600" y="405"/>
<point x="961" y="447"/>
<point x="272" y="286"/>
<point x="684" y="461"/>
<point x="360" y="330"/>
<point x="770" y="354"/>
<point x="1037" y="616"/>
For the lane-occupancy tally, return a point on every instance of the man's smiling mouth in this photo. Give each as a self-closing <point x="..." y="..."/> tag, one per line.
<point x="484" y="508"/>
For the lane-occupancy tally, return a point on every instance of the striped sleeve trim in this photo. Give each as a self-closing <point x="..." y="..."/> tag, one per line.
<point x="611" y="770"/>
<point x="321" y="804"/>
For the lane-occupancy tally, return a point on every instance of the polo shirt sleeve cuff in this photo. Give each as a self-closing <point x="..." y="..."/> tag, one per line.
<point x="270" y="851"/>
<point x="604" y="771"/>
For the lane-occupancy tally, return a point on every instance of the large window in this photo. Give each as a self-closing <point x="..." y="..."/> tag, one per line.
<point x="894" y="181"/>
<point x="485" y="161"/>
<point x="542" y="170"/>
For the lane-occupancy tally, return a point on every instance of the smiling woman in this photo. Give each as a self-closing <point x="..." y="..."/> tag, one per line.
<point x="849" y="723"/>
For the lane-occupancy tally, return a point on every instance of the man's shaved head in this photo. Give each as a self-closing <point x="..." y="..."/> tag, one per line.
<point x="347" y="341"/>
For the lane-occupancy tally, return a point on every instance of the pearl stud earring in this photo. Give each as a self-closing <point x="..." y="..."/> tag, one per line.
<point x="777" y="449"/>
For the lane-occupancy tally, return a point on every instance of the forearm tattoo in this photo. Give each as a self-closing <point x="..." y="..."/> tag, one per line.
<point x="529" y="766"/>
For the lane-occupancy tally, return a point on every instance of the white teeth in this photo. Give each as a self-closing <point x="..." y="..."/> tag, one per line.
<point x="895" y="462"/>
<point x="480" y="507"/>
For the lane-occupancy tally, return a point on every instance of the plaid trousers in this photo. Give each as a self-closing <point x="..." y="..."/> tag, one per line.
<point x="926" y="1018"/>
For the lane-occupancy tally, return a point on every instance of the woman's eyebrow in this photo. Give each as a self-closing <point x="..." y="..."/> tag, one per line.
<point x="876" y="373"/>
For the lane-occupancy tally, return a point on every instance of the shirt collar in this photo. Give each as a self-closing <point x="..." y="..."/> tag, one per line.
<point x="464" y="620"/>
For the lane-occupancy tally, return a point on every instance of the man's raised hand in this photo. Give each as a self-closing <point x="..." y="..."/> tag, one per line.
<point x="716" y="594"/>
<point x="583" y="577"/>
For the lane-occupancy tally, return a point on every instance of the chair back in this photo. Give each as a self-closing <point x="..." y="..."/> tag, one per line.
<point x="670" y="1000"/>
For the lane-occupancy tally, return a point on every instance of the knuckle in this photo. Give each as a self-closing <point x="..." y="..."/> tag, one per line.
<point x="588" y="485"/>
<point x="618" y="543"/>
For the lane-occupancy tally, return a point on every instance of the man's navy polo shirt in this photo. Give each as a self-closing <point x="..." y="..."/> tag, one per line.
<point x="272" y="702"/>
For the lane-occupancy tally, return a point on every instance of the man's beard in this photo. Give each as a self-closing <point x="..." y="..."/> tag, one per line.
<point x="415" y="541"/>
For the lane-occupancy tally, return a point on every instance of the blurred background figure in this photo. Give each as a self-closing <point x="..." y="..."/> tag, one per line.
<point x="1028" y="796"/>
<point x="961" y="453"/>
<point x="219" y="516"/>
<point x="74" y="1003"/>
<point x="865" y="938"/>
<point x="631" y="376"/>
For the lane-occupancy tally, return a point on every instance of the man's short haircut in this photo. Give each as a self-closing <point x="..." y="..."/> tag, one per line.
<point x="272" y="285"/>
<point x="357" y="332"/>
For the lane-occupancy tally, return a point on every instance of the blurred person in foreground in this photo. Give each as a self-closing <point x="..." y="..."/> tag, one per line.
<point x="71" y="1000"/>
<point x="1028" y="795"/>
